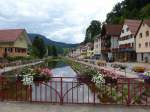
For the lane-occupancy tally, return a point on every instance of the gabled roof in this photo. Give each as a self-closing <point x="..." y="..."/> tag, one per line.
<point x="112" y="29"/>
<point x="147" y="21"/>
<point x="10" y="35"/>
<point x="133" y="25"/>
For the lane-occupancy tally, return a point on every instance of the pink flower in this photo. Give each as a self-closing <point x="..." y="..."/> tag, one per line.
<point x="46" y="71"/>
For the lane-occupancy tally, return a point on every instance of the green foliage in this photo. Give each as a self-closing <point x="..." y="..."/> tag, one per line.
<point x="54" y="51"/>
<point x="38" y="47"/>
<point x="145" y="12"/>
<point x="82" y="69"/>
<point x="65" y="51"/>
<point x="131" y="9"/>
<point x="49" y="50"/>
<point x="93" y="30"/>
<point x="59" y="50"/>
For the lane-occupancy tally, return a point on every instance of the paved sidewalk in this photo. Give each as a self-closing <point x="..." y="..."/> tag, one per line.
<point x="27" y="107"/>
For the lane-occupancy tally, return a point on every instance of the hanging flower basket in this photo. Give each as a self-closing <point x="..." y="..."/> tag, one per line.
<point x="30" y="75"/>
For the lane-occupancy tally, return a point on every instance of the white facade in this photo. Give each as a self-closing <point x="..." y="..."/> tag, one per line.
<point x="114" y="42"/>
<point x="127" y="33"/>
<point x="97" y="46"/>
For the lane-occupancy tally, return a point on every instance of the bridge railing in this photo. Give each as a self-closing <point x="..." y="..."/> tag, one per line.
<point x="77" y="90"/>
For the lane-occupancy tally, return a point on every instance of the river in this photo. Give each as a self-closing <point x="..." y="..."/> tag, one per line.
<point x="70" y="90"/>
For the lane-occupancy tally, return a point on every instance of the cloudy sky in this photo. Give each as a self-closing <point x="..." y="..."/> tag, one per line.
<point x="59" y="20"/>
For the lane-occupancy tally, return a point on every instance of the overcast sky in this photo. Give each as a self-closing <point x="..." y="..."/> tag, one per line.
<point x="59" y="20"/>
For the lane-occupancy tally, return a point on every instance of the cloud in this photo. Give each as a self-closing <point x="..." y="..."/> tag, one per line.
<point x="59" y="20"/>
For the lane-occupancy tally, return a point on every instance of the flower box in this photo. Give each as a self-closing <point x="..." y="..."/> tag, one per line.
<point x="138" y="69"/>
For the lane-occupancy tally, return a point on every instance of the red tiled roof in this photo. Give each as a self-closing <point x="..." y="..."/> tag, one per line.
<point x="10" y="35"/>
<point x="114" y="30"/>
<point x="147" y="21"/>
<point x="133" y="25"/>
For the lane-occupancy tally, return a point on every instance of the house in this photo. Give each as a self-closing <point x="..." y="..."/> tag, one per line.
<point x="97" y="47"/>
<point x="83" y="51"/>
<point x="86" y="50"/>
<point x="90" y="48"/>
<point x="113" y="31"/>
<point x="110" y="43"/>
<point x="127" y="40"/>
<point x="143" y="42"/>
<point x="14" y="42"/>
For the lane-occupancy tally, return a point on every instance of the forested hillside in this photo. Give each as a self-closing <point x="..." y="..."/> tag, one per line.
<point x="131" y="9"/>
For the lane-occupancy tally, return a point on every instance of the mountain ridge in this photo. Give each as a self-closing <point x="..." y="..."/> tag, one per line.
<point x="47" y="41"/>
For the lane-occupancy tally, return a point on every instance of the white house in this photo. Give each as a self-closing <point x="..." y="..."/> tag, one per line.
<point x="127" y="40"/>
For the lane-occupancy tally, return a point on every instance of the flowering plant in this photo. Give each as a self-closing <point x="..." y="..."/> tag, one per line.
<point x="145" y="75"/>
<point x="28" y="75"/>
<point x="27" y="79"/>
<point x="98" y="79"/>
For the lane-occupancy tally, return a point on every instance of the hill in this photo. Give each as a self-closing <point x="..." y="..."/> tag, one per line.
<point x="129" y="9"/>
<point x="51" y="42"/>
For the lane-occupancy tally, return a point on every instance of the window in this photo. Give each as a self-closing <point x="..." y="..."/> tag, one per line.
<point x="132" y="44"/>
<point x="127" y="29"/>
<point x="147" y="33"/>
<point x="5" y="49"/>
<point x="122" y="31"/>
<point x="140" y="35"/>
<point x="139" y="45"/>
<point x="142" y="56"/>
<point x="146" y="44"/>
<point x="10" y="49"/>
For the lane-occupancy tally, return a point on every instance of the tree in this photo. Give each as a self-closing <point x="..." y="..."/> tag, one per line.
<point x="103" y="31"/>
<point x="38" y="47"/>
<point x="66" y="51"/>
<point x="49" y="50"/>
<point x="145" y="12"/>
<point x="131" y="9"/>
<point x="54" y="51"/>
<point x="93" y="30"/>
